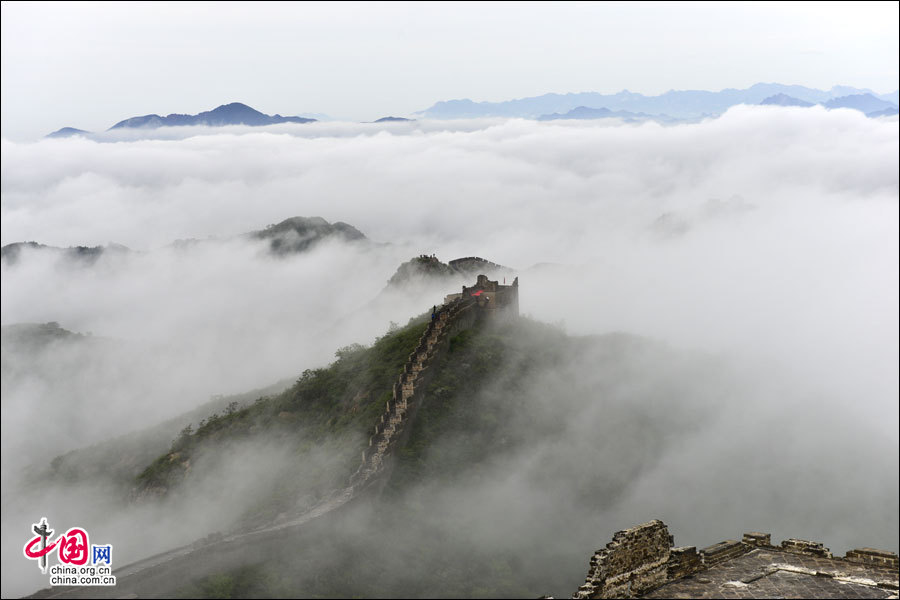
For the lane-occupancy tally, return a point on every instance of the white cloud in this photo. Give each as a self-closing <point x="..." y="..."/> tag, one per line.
<point x="805" y="264"/>
<point x="769" y="234"/>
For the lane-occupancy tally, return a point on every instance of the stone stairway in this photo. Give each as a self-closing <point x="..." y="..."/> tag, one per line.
<point x="410" y="383"/>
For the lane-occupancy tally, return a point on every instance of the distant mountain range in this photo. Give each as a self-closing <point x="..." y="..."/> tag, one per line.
<point x="84" y="255"/>
<point x="680" y="105"/>
<point x="670" y="107"/>
<point x="226" y="114"/>
<point x="585" y="112"/>
<point x="866" y="103"/>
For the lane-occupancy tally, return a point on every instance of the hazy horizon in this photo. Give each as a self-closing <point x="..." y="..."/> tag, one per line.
<point x="323" y="116"/>
<point x="359" y="61"/>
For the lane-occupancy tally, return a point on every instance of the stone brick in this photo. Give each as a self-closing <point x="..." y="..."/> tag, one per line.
<point x="755" y="538"/>
<point x="716" y="553"/>
<point x="636" y="560"/>
<point x="683" y="561"/>
<point x="873" y="556"/>
<point x="805" y="547"/>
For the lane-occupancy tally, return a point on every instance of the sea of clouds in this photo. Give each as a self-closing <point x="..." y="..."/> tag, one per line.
<point x="768" y="236"/>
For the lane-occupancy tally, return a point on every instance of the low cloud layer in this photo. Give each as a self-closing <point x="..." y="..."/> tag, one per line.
<point x="769" y="235"/>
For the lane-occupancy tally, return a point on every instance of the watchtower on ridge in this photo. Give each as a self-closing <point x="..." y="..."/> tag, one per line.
<point x="491" y="296"/>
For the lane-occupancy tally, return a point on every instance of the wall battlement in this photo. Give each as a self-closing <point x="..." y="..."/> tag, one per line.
<point x="641" y="560"/>
<point x="491" y="296"/>
<point x="459" y="311"/>
<point x="635" y="561"/>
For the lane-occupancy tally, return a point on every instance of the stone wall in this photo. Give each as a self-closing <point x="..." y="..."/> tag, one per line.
<point x="635" y="561"/>
<point x="873" y="556"/>
<point x="868" y="556"/>
<point x="757" y="539"/>
<point x="722" y="551"/>
<point x="805" y="547"/>
<point x="683" y="561"/>
<point x="494" y="298"/>
<point x="640" y="559"/>
<point x="449" y="319"/>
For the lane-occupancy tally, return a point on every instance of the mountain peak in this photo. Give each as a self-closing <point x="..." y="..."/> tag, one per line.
<point x="67" y="132"/>
<point x="297" y="234"/>
<point x="392" y="120"/>
<point x="235" y="105"/>
<point x="865" y="102"/>
<point x="781" y="99"/>
<point x="234" y="113"/>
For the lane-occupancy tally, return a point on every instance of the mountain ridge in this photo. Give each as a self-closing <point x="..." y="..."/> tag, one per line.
<point x="669" y="106"/>
<point x="292" y="235"/>
<point x="680" y="104"/>
<point x="586" y="112"/>
<point x="234" y="113"/>
<point x="781" y="99"/>
<point x="863" y="102"/>
<point x="469" y="426"/>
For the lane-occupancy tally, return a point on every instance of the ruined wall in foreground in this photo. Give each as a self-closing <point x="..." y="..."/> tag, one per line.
<point x="641" y="559"/>
<point x="634" y="561"/>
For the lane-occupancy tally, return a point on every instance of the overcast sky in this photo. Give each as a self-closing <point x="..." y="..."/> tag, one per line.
<point x="88" y="65"/>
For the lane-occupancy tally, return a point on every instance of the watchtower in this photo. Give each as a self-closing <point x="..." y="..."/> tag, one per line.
<point x="491" y="297"/>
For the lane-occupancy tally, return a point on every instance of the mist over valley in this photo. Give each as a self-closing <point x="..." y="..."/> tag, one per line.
<point x="201" y="327"/>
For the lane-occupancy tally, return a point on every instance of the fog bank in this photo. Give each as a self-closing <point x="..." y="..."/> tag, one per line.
<point x="768" y="236"/>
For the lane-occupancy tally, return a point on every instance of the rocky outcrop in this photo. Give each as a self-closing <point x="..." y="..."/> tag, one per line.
<point x="298" y="234"/>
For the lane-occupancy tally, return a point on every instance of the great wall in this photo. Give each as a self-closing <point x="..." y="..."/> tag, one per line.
<point x="408" y="389"/>
<point x="642" y="562"/>
<point x="486" y="299"/>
